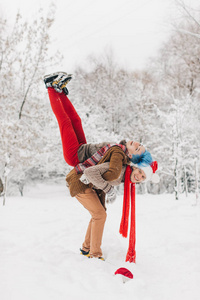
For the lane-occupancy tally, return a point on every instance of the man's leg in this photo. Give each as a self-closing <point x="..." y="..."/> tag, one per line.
<point x="86" y="243"/>
<point x="94" y="234"/>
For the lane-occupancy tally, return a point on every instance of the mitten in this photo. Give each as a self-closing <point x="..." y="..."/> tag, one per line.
<point x="84" y="179"/>
<point x="111" y="195"/>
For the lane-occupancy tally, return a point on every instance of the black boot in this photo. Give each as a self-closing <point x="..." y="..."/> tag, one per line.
<point x="54" y="78"/>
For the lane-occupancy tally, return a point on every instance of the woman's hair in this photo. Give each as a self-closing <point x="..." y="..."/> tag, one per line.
<point x="142" y="160"/>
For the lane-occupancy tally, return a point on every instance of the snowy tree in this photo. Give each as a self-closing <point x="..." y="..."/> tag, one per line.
<point x="176" y="73"/>
<point x="112" y="96"/>
<point x="25" y="112"/>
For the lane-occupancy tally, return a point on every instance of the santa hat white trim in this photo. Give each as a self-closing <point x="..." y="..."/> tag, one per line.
<point x="150" y="173"/>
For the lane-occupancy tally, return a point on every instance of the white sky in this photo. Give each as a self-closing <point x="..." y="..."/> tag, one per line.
<point x="134" y="29"/>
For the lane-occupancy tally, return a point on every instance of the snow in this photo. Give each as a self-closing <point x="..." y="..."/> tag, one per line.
<point x="41" y="233"/>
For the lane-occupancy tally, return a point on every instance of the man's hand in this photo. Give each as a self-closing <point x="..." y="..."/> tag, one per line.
<point x="111" y="195"/>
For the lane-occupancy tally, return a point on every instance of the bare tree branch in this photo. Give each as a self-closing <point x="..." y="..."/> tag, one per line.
<point x="183" y="6"/>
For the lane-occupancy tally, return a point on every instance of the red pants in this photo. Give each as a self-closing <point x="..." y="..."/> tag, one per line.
<point x="71" y="131"/>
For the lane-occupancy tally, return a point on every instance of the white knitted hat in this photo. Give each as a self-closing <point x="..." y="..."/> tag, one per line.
<point x="150" y="173"/>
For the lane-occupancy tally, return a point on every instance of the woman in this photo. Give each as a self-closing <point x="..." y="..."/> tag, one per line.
<point x="109" y="160"/>
<point x="75" y="147"/>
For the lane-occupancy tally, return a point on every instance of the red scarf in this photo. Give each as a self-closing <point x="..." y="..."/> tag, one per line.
<point x="129" y="189"/>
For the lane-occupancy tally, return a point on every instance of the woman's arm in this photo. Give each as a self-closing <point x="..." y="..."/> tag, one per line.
<point x="94" y="175"/>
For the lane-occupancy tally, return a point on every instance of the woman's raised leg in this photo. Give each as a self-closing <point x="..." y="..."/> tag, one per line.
<point x="70" y="141"/>
<point x="74" y="117"/>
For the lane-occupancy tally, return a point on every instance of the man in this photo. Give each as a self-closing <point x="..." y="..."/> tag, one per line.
<point x="98" y="182"/>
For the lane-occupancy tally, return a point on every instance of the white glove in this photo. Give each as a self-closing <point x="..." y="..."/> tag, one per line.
<point x="111" y="195"/>
<point x="84" y="179"/>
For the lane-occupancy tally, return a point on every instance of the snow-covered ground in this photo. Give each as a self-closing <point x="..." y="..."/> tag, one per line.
<point x="41" y="233"/>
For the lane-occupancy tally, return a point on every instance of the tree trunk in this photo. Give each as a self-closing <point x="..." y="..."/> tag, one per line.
<point x="196" y="180"/>
<point x="4" y="194"/>
<point x="176" y="184"/>
<point x="185" y="182"/>
<point x="21" y="189"/>
<point x="1" y="186"/>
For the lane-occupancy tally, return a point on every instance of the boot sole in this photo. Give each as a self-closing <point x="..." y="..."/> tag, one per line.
<point x="54" y="74"/>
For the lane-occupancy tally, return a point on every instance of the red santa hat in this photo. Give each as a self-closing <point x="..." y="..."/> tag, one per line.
<point x="150" y="172"/>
